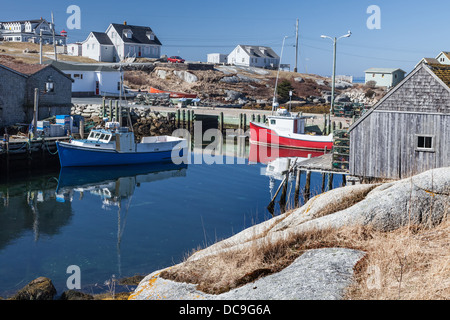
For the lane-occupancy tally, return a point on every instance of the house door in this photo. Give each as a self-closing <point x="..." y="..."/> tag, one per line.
<point x="97" y="88"/>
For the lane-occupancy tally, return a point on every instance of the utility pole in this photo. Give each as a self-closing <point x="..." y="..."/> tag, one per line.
<point x="40" y="46"/>
<point x="54" y="42"/>
<point x="296" y="47"/>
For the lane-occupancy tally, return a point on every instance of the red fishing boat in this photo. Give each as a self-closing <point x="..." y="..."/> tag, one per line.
<point x="288" y="131"/>
<point x="174" y="95"/>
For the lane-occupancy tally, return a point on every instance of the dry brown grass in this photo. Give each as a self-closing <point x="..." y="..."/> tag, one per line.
<point x="15" y="49"/>
<point x="409" y="263"/>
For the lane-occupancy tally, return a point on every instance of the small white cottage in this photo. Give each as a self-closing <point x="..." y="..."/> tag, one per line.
<point x="385" y="77"/>
<point x="90" y="79"/>
<point x="254" y="56"/>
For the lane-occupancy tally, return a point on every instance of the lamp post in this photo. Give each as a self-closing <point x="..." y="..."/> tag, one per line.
<point x="335" y="40"/>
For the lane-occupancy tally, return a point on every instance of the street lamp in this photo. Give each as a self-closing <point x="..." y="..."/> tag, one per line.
<point x="335" y="40"/>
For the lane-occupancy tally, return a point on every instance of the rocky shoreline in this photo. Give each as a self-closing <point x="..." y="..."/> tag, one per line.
<point x="322" y="273"/>
<point x="145" y="122"/>
<point x="420" y="201"/>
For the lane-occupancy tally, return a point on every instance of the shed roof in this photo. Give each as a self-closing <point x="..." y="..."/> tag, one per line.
<point x="439" y="71"/>
<point x="64" y="66"/>
<point x="102" y="38"/>
<point x="383" y="70"/>
<point x="442" y="71"/>
<point x="24" y="68"/>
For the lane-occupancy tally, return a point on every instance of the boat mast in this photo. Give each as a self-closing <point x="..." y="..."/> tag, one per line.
<point x="276" y="81"/>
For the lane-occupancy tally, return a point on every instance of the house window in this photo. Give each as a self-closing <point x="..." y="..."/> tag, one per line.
<point x="425" y="142"/>
<point x="78" y="76"/>
<point x="273" y="121"/>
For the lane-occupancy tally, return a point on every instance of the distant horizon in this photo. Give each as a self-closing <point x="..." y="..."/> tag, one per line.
<point x="398" y="35"/>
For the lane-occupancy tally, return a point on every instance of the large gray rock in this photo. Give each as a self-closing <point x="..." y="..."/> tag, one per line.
<point x="186" y="76"/>
<point x="323" y="274"/>
<point x="320" y="274"/>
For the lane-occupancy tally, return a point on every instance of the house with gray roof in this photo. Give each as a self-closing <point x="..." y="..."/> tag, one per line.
<point x="121" y="41"/>
<point x="29" y="31"/>
<point x="254" y="56"/>
<point x="385" y="77"/>
<point x="90" y="79"/>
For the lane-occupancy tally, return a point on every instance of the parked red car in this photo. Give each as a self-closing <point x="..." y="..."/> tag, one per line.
<point x="175" y="59"/>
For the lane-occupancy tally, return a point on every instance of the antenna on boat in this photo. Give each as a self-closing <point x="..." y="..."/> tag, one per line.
<point x="275" y="104"/>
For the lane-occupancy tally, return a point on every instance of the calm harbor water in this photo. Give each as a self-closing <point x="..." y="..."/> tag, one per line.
<point x="122" y="221"/>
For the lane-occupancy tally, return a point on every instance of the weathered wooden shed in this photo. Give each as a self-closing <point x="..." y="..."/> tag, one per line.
<point x="408" y="130"/>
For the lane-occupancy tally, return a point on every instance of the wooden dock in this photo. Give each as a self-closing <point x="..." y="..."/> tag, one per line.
<point x="18" y="151"/>
<point x="322" y="164"/>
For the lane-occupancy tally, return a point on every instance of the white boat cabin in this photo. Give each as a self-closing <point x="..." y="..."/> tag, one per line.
<point x="287" y="124"/>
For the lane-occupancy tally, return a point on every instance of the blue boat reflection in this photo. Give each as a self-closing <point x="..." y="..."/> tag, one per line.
<point x="113" y="183"/>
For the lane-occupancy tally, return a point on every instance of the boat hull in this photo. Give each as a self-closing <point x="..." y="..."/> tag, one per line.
<point x="174" y="95"/>
<point x="76" y="156"/>
<point x="263" y="135"/>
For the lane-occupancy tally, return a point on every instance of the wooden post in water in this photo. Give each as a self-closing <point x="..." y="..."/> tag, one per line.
<point x="308" y="183"/>
<point x="36" y="111"/>
<point x="240" y="120"/>
<point x="189" y="120"/>
<point x="285" y="186"/>
<point x="221" y="122"/>
<point x="120" y="114"/>
<point x="244" y="122"/>
<point x="184" y="118"/>
<point x="178" y="118"/>
<point x="297" y="186"/>
<point x="110" y="110"/>
<point x="103" y="108"/>
<point x="116" y="110"/>
<point x="258" y="118"/>
<point x="323" y="181"/>
<point x="330" y="181"/>
<point x="325" y="124"/>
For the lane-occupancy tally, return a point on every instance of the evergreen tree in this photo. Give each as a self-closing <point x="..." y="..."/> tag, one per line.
<point x="283" y="89"/>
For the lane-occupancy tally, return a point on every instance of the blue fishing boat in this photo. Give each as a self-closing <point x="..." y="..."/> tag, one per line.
<point x="115" y="145"/>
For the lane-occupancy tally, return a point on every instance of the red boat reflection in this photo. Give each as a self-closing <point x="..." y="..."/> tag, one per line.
<point x="264" y="154"/>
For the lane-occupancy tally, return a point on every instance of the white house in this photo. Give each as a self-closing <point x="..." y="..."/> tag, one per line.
<point x="29" y="31"/>
<point x="443" y="57"/>
<point x="254" y="56"/>
<point x="217" y="58"/>
<point x="134" y="41"/>
<point x="385" y="77"/>
<point x="98" y="47"/>
<point x="121" y="41"/>
<point x="90" y="79"/>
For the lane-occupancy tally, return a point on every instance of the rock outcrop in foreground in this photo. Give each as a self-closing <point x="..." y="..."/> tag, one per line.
<point x="321" y="273"/>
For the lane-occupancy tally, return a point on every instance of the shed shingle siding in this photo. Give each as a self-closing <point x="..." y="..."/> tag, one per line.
<point x="383" y="144"/>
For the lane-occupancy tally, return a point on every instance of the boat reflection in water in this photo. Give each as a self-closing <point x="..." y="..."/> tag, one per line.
<point x="113" y="183"/>
<point x="279" y="160"/>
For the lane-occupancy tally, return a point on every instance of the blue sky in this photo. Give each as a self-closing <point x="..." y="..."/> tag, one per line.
<point x="410" y="30"/>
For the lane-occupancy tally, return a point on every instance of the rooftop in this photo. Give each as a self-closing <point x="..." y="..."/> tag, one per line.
<point x="383" y="70"/>
<point x="24" y="68"/>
